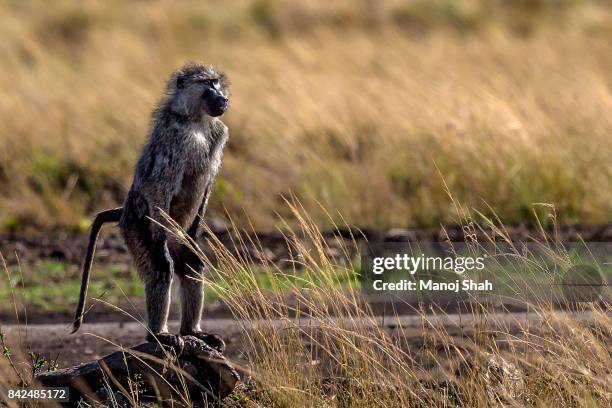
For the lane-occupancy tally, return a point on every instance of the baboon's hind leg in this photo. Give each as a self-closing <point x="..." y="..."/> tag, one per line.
<point x="157" y="293"/>
<point x="158" y="305"/>
<point x="155" y="267"/>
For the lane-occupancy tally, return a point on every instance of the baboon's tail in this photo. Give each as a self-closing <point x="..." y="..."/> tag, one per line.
<point x="113" y="215"/>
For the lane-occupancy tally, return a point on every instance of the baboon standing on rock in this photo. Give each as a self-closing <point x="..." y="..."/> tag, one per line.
<point x="174" y="174"/>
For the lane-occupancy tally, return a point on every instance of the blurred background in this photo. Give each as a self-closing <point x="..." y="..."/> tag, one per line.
<point x="369" y="112"/>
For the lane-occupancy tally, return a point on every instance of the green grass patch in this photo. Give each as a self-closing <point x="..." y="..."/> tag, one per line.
<point x="51" y="286"/>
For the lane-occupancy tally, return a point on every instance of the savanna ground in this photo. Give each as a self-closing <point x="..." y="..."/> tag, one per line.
<point x="376" y="115"/>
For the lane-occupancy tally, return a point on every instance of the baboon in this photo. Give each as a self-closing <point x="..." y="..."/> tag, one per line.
<point x="174" y="175"/>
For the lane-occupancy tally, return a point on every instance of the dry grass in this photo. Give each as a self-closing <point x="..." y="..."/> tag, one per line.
<point x="316" y="345"/>
<point x="359" y="106"/>
<point x="314" y="358"/>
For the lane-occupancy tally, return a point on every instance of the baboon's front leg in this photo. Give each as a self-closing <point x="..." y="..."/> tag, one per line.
<point x="192" y="303"/>
<point x="189" y="271"/>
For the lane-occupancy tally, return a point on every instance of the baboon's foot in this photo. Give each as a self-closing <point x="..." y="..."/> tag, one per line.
<point x="213" y="340"/>
<point x="167" y="339"/>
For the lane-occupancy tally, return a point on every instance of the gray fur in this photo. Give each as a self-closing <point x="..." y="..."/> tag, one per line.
<point x="175" y="174"/>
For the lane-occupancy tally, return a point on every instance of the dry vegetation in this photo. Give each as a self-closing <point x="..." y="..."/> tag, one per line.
<point x="333" y="351"/>
<point x="377" y="109"/>
<point x="299" y="352"/>
<point x="362" y="106"/>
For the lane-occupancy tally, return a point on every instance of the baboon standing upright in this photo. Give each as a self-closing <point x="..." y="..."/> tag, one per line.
<point x="174" y="174"/>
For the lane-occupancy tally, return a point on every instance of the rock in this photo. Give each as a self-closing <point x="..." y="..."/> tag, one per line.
<point x="196" y="372"/>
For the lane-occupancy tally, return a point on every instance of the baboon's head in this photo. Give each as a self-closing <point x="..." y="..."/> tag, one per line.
<point x="199" y="90"/>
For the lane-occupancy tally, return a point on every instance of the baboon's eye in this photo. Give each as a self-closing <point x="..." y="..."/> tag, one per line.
<point x="211" y="82"/>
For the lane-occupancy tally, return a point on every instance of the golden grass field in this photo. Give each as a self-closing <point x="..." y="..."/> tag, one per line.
<point x="364" y="108"/>
<point x="362" y="113"/>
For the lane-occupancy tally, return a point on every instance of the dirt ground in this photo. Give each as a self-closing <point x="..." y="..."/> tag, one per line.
<point x="48" y="333"/>
<point x="94" y="340"/>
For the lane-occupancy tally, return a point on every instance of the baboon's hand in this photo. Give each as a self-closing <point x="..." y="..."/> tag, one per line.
<point x="164" y="266"/>
<point x="165" y="271"/>
<point x="191" y="261"/>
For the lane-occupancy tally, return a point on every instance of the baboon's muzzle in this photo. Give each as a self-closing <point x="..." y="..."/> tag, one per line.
<point x="217" y="106"/>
